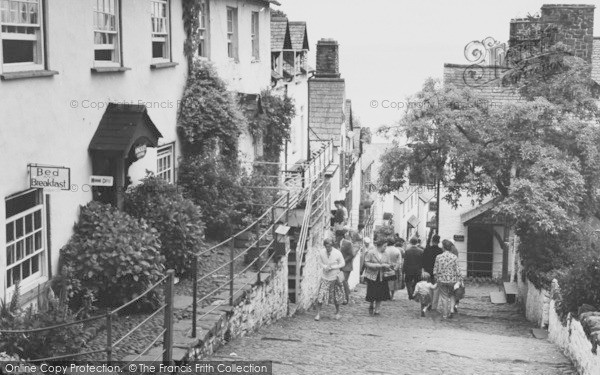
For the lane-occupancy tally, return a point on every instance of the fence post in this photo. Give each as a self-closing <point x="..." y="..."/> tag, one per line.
<point x="168" y="336"/>
<point x="287" y="210"/>
<point x="231" y="246"/>
<point x="109" y="336"/>
<point x="256" y="261"/>
<point x="195" y="295"/>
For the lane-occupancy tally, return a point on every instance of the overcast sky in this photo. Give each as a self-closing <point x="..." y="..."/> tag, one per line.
<point x="389" y="47"/>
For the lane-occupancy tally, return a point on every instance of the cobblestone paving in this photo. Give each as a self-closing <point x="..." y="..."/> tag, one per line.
<point x="483" y="339"/>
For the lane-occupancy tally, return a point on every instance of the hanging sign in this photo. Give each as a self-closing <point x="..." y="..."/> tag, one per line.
<point x="101" y="180"/>
<point x="49" y="177"/>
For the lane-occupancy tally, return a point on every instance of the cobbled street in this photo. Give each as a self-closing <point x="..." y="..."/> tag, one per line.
<point x="483" y="339"/>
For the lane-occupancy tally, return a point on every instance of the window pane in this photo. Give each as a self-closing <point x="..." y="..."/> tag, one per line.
<point x="18" y="51"/>
<point x="158" y="50"/>
<point x="10" y="255"/>
<point x="20" y="254"/>
<point x="103" y="55"/>
<point x="16" y="274"/>
<point x="29" y="223"/>
<point x="29" y="245"/>
<point x="19" y="228"/>
<point x="10" y="232"/>
<point x="35" y="264"/>
<point x="38" y="240"/>
<point x="26" y="268"/>
<point x="38" y="219"/>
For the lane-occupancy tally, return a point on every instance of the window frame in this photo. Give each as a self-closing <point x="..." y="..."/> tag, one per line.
<point x="38" y="38"/>
<point x="117" y="60"/>
<point x="255" y="35"/>
<point x="166" y="36"/>
<point x="170" y="169"/>
<point x="204" y="30"/>
<point x="34" y="278"/>
<point x="232" y="34"/>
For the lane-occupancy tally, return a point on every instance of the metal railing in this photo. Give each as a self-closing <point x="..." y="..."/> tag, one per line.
<point x="111" y="344"/>
<point x="263" y="236"/>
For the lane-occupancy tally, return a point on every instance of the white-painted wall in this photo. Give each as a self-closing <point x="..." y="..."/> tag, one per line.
<point x="52" y="120"/>
<point x="244" y="75"/>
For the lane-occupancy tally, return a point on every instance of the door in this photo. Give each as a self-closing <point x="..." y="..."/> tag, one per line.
<point x="480" y="250"/>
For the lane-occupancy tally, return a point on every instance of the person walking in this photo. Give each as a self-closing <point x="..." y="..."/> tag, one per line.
<point x="376" y="264"/>
<point x="348" y="251"/>
<point x="393" y="276"/>
<point x="368" y="245"/>
<point x="447" y="274"/>
<point x="413" y="266"/>
<point x="330" y="285"/>
<point x="429" y="255"/>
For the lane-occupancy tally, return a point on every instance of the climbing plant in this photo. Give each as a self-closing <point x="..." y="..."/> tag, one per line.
<point x="210" y="119"/>
<point x="273" y="124"/>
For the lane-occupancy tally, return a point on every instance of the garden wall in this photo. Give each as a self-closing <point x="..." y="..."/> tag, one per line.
<point x="258" y="305"/>
<point x="571" y="338"/>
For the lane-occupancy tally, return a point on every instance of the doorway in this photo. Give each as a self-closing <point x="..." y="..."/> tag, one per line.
<point x="480" y="250"/>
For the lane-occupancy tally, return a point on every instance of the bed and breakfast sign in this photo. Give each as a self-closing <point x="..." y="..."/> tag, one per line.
<point x="49" y="177"/>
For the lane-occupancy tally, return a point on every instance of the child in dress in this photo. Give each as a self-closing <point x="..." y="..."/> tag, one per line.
<point x="423" y="291"/>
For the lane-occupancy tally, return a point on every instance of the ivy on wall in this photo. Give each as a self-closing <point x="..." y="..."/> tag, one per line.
<point x="210" y="120"/>
<point x="273" y="124"/>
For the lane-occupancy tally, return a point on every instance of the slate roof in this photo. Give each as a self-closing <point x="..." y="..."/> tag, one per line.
<point x="298" y="35"/>
<point x="121" y="126"/>
<point x="280" y="34"/>
<point x="326" y="99"/>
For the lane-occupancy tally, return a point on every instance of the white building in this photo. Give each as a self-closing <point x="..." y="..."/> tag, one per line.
<point x="235" y="35"/>
<point x="289" y="75"/>
<point x="84" y="86"/>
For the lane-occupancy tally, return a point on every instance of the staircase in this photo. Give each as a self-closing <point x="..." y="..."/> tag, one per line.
<point x="310" y="233"/>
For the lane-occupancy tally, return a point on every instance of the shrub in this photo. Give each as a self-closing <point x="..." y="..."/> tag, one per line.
<point x="580" y="284"/>
<point x="210" y="184"/>
<point x="116" y="256"/>
<point x="42" y="344"/>
<point x="177" y="219"/>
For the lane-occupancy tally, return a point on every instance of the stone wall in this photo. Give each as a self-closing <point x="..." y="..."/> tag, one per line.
<point x="571" y="25"/>
<point x="574" y="342"/>
<point x="571" y="338"/>
<point x="260" y="304"/>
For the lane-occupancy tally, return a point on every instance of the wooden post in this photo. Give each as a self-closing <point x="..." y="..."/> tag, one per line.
<point x="195" y="295"/>
<point x="287" y="211"/>
<point x="231" y="256"/>
<point x="168" y="336"/>
<point x="257" y="233"/>
<point x="109" y="336"/>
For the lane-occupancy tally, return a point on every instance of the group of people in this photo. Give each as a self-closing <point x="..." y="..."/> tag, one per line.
<point x="431" y="276"/>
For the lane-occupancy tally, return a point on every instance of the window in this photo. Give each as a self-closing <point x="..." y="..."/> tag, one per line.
<point x="165" y="163"/>
<point x="25" y="248"/>
<point x="21" y="34"/>
<point x="232" y="48"/>
<point x="106" y="32"/>
<point x="255" y="36"/>
<point x="203" y="29"/>
<point x="160" y="29"/>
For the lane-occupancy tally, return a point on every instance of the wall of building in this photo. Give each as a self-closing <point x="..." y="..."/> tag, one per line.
<point x="52" y="120"/>
<point x="355" y="185"/>
<point x="297" y="148"/>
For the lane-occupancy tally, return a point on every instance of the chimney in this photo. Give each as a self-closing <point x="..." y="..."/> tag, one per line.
<point x="570" y="24"/>
<point x="328" y="59"/>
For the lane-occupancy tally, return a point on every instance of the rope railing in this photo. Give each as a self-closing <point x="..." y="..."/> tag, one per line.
<point x="166" y="308"/>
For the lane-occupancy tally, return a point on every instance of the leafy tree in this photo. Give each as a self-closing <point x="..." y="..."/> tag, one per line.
<point x="538" y="157"/>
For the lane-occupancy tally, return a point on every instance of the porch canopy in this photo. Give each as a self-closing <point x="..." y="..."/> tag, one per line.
<point x="483" y="214"/>
<point x="122" y="127"/>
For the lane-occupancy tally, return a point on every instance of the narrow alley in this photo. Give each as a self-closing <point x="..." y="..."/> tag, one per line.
<point x="483" y="339"/>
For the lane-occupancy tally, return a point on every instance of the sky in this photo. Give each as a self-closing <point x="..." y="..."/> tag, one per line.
<point x="388" y="48"/>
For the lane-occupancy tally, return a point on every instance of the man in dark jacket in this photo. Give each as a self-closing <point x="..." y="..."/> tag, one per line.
<point x="413" y="266"/>
<point x="349" y="251"/>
